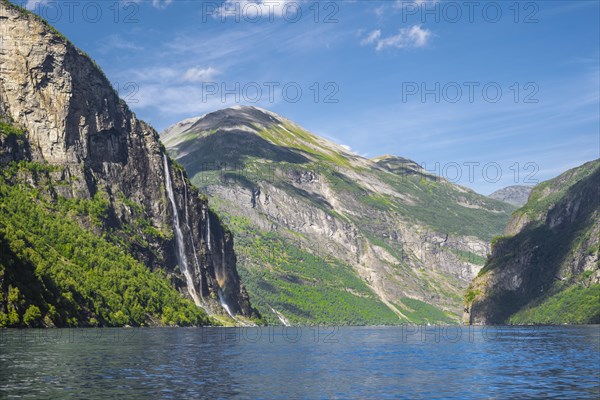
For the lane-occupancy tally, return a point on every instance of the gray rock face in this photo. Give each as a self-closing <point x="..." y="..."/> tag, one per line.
<point x="75" y="120"/>
<point x="516" y="195"/>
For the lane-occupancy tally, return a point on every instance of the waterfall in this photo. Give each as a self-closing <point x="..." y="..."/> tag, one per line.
<point x="228" y="310"/>
<point x="282" y="319"/>
<point x="224" y="305"/>
<point x="184" y="197"/>
<point x="208" y="232"/>
<point x="181" y="259"/>
<point x="187" y="223"/>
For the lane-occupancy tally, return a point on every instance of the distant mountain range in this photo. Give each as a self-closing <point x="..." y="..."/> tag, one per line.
<point x="326" y="236"/>
<point x="516" y="195"/>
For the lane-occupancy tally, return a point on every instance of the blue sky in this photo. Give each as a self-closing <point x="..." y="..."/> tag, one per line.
<point x="481" y="90"/>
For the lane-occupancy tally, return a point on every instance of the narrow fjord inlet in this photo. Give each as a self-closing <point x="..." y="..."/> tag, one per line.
<point x="339" y="200"/>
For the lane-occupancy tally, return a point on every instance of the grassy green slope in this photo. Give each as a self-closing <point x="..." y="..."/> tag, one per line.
<point x="571" y="304"/>
<point x="545" y="195"/>
<point x="439" y="204"/>
<point x="305" y="287"/>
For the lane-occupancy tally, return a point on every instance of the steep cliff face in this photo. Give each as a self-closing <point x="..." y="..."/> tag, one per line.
<point x="347" y="239"/>
<point x="75" y="122"/>
<point x="546" y="267"/>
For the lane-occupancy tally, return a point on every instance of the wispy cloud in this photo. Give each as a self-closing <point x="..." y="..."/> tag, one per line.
<point x="372" y="37"/>
<point x="390" y="8"/>
<point x="118" y="43"/>
<point x="379" y="11"/>
<point x="265" y="9"/>
<point x="179" y="101"/>
<point x="159" y="4"/>
<point x="199" y="74"/>
<point x="412" y="37"/>
<point x="170" y="76"/>
<point x="224" y="48"/>
<point x="171" y="81"/>
<point x="33" y="4"/>
<point x="402" y="3"/>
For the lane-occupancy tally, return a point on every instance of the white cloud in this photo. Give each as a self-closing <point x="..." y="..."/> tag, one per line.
<point x="415" y="36"/>
<point x="172" y="76"/>
<point x="33" y="4"/>
<point x="391" y="8"/>
<point x="224" y="49"/>
<point x="259" y="9"/>
<point x="117" y="42"/>
<point x="403" y="3"/>
<point x="161" y="4"/>
<point x="371" y="37"/>
<point x="199" y="74"/>
<point x="178" y="101"/>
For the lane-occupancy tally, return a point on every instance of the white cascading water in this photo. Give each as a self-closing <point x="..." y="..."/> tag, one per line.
<point x="208" y="232"/>
<point x="224" y="305"/>
<point x="184" y="195"/>
<point x="179" y="236"/>
<point x="226" y="308"/>
<point x="187" y="222"/>
<point x="181" y="245"/>
<point x="221" y="299"/>
<point x="282" y="319"/>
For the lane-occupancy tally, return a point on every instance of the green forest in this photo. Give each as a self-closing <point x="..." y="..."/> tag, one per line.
<point x="58" y="269"/>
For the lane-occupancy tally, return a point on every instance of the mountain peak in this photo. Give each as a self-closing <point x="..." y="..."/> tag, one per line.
<point x="516" y="194"/>
<point x="254" y="129"/>
<point x="245" y="118"/>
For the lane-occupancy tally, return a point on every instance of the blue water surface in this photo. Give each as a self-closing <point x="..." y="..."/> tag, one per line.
<point x="429" y="362"/>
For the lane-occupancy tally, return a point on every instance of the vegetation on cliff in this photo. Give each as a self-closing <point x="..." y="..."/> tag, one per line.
<point x="546" y="269"/>
<point x="57" y="268"/>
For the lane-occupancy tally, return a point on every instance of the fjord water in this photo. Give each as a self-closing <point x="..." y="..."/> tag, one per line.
<point x="309" y="362"/>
